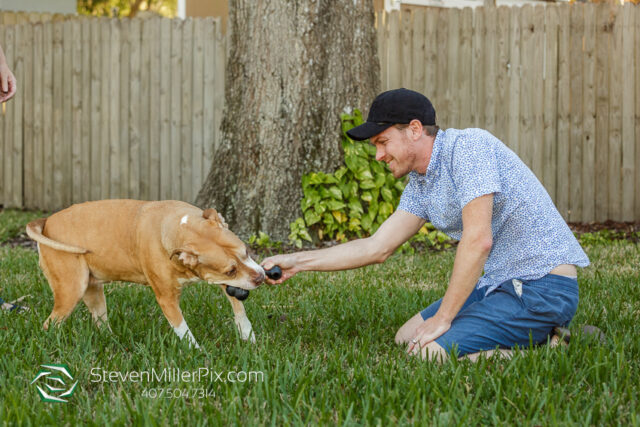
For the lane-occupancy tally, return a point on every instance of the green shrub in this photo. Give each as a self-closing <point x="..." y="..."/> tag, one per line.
<point x="353" y="201"/>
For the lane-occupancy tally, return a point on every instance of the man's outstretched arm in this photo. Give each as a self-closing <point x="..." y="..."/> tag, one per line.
<point x="396" y="230"/>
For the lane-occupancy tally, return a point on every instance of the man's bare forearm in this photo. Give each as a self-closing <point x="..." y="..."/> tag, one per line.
<point x="471" y="256"/>
<point x="353" y="254"/>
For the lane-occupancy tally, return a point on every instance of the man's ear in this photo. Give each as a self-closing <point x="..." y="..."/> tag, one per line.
<point x="187" y="257"/>
<point x="213" y="216"/>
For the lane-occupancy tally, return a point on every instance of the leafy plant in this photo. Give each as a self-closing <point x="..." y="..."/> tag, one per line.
<point x="353" y="201"/>
<point x="263" y="241"/>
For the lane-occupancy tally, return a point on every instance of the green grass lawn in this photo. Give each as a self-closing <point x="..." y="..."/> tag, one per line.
<point x="325" y="349"/>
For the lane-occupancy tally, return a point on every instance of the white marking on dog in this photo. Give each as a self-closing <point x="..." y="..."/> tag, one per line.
<point x="244" y="326"/>
<point x="254" y="265"/>
<point x="183" y="330"/>
<point x="184" y="219"/>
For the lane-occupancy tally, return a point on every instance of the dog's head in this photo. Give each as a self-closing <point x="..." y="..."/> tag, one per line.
<point x="214" y="253"/>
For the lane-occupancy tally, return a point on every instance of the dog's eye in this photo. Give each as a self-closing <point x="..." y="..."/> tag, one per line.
<point x="231" y="272"/>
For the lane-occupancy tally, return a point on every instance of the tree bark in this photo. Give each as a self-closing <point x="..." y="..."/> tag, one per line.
<point x="294" y="67"/>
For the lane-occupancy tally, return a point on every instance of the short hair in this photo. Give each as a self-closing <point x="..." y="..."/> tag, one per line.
<point x="431" y="130"/>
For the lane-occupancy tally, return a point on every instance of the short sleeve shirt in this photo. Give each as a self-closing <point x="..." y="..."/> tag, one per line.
<point x="530" y="237"/>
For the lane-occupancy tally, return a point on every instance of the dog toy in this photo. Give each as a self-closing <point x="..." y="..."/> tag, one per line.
<point x="237" y="293"/>
<point x="274" y="273"/>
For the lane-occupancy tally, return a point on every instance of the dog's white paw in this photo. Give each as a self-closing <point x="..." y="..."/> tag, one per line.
<point x="245" y="328"/>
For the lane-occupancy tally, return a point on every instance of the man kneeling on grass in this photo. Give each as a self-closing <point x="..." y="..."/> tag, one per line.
<point x="476" y="190"/>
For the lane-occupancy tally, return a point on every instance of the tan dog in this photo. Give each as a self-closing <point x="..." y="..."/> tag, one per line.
<point x="161" y="244"/>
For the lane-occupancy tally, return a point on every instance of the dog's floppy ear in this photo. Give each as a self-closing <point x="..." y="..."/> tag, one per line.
<point x="213" y="216"/>
<point x="186" y="256"/>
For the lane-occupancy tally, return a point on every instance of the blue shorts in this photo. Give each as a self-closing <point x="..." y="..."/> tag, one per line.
<point x="505" y="319"/>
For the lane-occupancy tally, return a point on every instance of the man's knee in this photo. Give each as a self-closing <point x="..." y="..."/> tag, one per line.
<point x="434" y="352"/>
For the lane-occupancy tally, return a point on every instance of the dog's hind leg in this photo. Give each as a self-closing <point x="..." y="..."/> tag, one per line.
<point x="240" y="317"/>
<point x="97" y="304"/>
<point x="68" y="277"/>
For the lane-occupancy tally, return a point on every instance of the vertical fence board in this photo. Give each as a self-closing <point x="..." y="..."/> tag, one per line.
<point x="87" y="96"/>
<point x="455" y="73"/>
<point x="153" y="117"/>
<point x="406" y="35"/>
<point x="197" y="79"/>
<point x="105" y="109"/>
<point x="135" y="110"/>
<point x="165" y="110"/>
<point x="394" y="52"/>
<point x="536" y="140"/>
<point x="47" y="112"/>
<point x="513" y="71"/>
<point x="527" y="93"/>
<point x="209" y="130"/>
<point x="464" y="61"/>
<point x="418" y="50"/>
<point x="502" y="77"/>
<point x="186" y="139"/>
<point x="67" y="117"/>
<point x="17" y="136"/>
<point x="96" y="109"/>
<point x="121" y="135"/>
<point x="637" y="114"/>
<point x="115" y="167"/>
<point x="576" y="86"/>
<point x="628" y="126"/>
<point x="220" y="62"/>
<point x="430" y="56"/>
<point x="146" y="101"/>
<point x="603" y="36"/>
<point x="176" y="107"/>
<point x="75" y="80"/>
<point x="564" y="110"/>
<point x="588" y="120"/>
<point x="490" y="61"/>
<point x="38" y="118"/>
<point x="550" y="113"/>
<point x="615" y="117"/>
<point x="382" y="19"/>
<point x="28" y="115"/>
<point x="58" y="116"/>
<point x="440" y="101"/>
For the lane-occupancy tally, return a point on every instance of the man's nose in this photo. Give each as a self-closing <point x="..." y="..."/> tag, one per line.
<point x="379" y="154"/>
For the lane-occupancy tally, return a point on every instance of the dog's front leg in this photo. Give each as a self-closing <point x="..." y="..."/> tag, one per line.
<point x="240" y="318"/>
<point x="170" y="304"/>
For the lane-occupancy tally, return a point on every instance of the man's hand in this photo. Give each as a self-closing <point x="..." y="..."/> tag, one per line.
<point x="428" y="331"/>
<point x="286" y="262"/>
<point x="7" y="83"/>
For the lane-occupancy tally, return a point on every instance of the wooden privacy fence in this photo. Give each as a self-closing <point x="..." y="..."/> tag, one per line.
<point x="131" y="108"/>
<point x="109" y="108"/>
<point x="559" y="84"/>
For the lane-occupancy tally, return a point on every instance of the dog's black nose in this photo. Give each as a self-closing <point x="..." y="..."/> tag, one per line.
<point x="259" y="278"/>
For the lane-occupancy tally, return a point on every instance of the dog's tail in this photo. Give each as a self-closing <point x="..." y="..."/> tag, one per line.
<point x="34" y="230"/>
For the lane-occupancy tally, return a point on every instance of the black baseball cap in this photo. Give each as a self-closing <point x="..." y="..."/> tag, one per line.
<point x="397" y="106"/>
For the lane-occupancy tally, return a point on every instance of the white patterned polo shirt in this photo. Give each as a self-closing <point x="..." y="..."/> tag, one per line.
<point x="530" y="237"/>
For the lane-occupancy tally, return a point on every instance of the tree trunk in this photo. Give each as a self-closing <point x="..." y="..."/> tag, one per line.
<point x="294" y="66"/>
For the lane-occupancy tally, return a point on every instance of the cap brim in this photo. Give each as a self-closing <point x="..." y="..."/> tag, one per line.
<point x="367" y="130"/>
